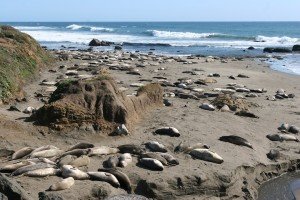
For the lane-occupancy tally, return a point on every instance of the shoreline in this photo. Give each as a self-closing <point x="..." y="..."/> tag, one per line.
<point x="195" y="124"/>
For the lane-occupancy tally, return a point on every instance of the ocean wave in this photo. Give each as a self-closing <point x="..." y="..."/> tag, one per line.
<point x="75" y="27"/>
<point x="276" y="40"/>
<point x="179" y="35"/>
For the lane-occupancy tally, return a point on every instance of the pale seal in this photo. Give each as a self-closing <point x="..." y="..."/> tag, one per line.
<point x="21" y="153"/>
<point x="28" y="168"/>
<point x="156" y="146"/>
<point x="171" y="159"/>
<point x="43" y="172"/>
<point x="152" y="164"/>
<point x="12" y="167"/>
<point x="62" y="185"/>
<point x="70" y="171"/>
<point x="156" y="156"/>
<point x="104" y="176"/>
<point x="103" y="150"/>
<point x="81" y="161"/>
<point x="282" y="137"/>
<point x="207" y="155"/>
<point x="125" y="159"/>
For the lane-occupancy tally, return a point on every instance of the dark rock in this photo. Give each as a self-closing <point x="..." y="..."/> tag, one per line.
<point x="11" y="189"/>
<point x="49" y="196"/>
<point x="277" y="50"/>
<point x="246" y="114"/>
<point x="273" y="154"/>
<point x="118" y="48"/>
<point x="96" y="42"/>
<point x="251" y="48"/>
<point x="6" y="152"/>
<point x="14" y="108"/>
<point x="296" y="47"/>
<point x="232" y="77"/>
<point x="242" y="76"/>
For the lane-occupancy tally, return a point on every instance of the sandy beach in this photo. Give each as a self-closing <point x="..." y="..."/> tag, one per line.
<point x="238" y="177"/>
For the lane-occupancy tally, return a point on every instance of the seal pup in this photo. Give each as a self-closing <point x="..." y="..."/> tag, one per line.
<point x="32" y="167"/>
<point x="282" y="137"/>
<point x="21" y="153"/>
<point x="170" y="159"/>
<point x="184" y="148"/>
<point x="81" y="161"/>
<point x="46" y="153"/>
<point x="125" y="159"/>
<point x="111" y="162"/>
<point x="236" y="140"/>
<point x="156" y="156"/>
<point x="152" y="164"/>
<point x="131" y="148"/>
<point x="122" y="178"/>
<point x="43" y="172"/>
<point x="156" y="146"/>
<point x="12" y="167"/>
<point x="81" y="145"/>
<point x="104" y="176"/>
<point x="170" y="131"/>
<point x="70" y="171"/>
<point x="206" y="155"/>
<point x="76" y="152"/>
<point x="62" y="185"/>
<point x="103" y="150"/>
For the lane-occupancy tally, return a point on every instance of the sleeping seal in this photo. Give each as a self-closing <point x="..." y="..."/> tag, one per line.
<point x="81" y="145"/>
<point x="131" y="148"/>
<point x="111" y="162"/>
<point x="152" y="164"/>
<point x="125" y="159"/>
<point x="282" y="137"/>
<point x="62" y="185"/>
<point x="12" y="167"/>
<point x="156" y="156"/>
<point x="236" y="140"/>
<point x="207" y="155"/>
<point x="76" y="152"/>
<point x="21" y="153"/>
<point x="46" y="153"/>
<point x="156" y="147"/>
<point x="122" y="178"/>
<point x="182" y="147"/>
<point x="170" y="131"/>
<point x="69" y="171"/>
<point x="104" y="176"/>
<point x="103" y="150"/>
<point x="43" y="172"/>
<point x="81" y="161"/>
<point x="171" y="159"/>
<point x="28" y="168"/>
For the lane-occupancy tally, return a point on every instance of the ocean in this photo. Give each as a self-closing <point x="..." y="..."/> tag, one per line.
<point x="175" y="38"/>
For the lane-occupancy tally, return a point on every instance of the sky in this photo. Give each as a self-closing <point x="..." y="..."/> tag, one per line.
<point x="148" y="10"/>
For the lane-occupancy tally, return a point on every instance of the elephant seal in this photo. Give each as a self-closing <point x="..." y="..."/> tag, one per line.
<point x="12" y="167"/>
<point x="43" y="148"/>
<point x="43" y="172"/>
<point x="21" y="153"/>
<point x="156" y="156"/>
<point x="156" y="147"/>
<point x="206" y="155"/>
<point x="282" y="137"/>
<point x="76" y="152"/>
<point x="81" y="161"/>
<point x="184" y="148"/>
<point x="171" y="159"/>
<point x="111" y="162"/>
<point x="28" y="168"/>
<point x="127" y="197"/>
<point x="62" y="185"/>
<point x="104" y="176"/>
<point x="81" y="145"/>
<point x="152" y="164"/>
<point x="122" y="178"/>
<point x="236" y="140"/>
<point x="170" y="131"/>
<point x="125" y="159"/>
<point x="70" y="171"/>
<point x="274" y="154"/>
<point x="46" y="153"/>
<point x="41" y="160"/>
<point x="103" y="150"/>
<point x="131" y="148"/>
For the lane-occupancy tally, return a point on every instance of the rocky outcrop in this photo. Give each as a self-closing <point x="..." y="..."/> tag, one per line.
<point x="98" y="102"/>
<point x="11" y="189"/>
<point x="277" y="50"/>
<point x="96" y="42"/>
<point x="296" y="47"/>
<point x="21" y="57"/>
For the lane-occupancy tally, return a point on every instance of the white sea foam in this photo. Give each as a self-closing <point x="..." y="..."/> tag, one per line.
<point x="34" y="28"/>
<point x="75" y="27"/>
<point x="180" y="35"/>
<point x="280" y="40"/>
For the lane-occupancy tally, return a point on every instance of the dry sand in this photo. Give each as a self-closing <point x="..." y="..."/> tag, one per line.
<point x="201" y="180"/>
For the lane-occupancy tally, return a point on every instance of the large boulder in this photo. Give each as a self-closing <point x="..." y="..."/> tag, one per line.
<point x="21" y="57"/>
<point x="11" y="189"/>
<point x="98" y="102"/>
<point x="296" y="47"/>
<point x="96" y="42"/>
<point x="277" y="50"/>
